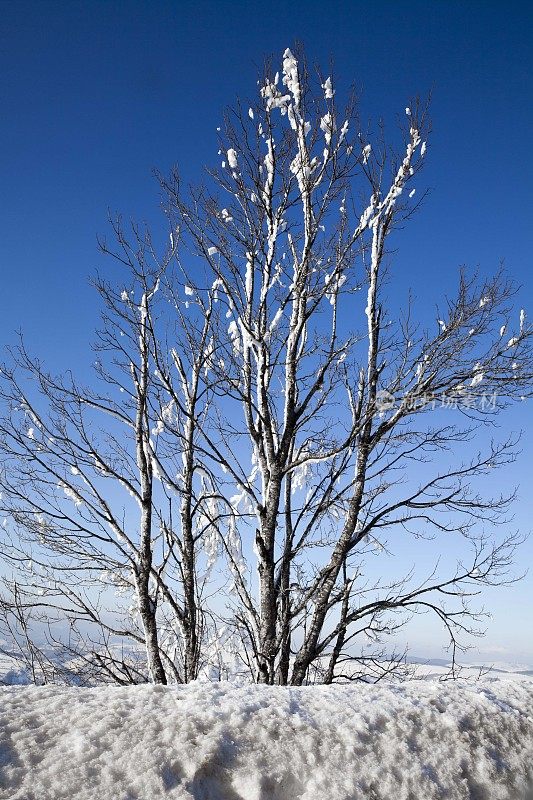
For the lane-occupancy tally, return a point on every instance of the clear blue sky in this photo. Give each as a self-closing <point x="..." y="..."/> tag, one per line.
<point x="95" y="94"/>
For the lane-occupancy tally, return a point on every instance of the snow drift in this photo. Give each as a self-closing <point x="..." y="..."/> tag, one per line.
<point x="414" y="741"/>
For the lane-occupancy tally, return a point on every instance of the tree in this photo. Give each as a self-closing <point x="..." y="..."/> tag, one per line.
<point x="72" y="454"/>
<point x="291" y="413"/>
<point x="332" y="411"/>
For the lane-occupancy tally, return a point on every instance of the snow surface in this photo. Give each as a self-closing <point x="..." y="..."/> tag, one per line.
<point x="419" y="740"/>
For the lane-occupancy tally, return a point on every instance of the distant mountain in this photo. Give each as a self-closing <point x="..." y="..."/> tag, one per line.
<point x="430" y="662"/>
<point x="493" y="666"/>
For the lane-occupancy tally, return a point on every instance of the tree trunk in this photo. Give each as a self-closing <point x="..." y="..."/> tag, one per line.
<point x="265" y="539"/>
<point x="148" y="617"/>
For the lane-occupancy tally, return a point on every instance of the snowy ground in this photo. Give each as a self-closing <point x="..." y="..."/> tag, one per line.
<point x="420" y="740"/>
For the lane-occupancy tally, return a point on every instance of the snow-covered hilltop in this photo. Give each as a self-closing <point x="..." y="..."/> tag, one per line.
<point x="420" y="740"/>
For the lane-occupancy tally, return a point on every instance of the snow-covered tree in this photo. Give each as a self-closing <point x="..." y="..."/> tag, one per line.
<point x="329" y="395"/>
<point x="272" y="420"/>
<point x="104" y="489"/>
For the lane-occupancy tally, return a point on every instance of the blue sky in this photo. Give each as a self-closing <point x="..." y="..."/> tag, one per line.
<point x="95" y="95"/>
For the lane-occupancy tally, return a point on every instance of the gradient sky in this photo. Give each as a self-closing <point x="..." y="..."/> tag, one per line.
<point x="95" y="95"/>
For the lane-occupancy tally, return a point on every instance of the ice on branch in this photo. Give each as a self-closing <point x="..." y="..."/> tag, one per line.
<point x="334" y="284"/>
<point x="367" y="213"/>
<point x="404" y="172"/>
<point x="303" y="169"/>
<point x="159" y="427"/>
<point x="269" y="167"/>
<point x="29" y="413"/>
<point x="234" y="545"/>
<point x="329" y="91"/>
<point x="212" y="251"/>
<point x="274" y="99"/>
<point x="478" y="375"/>
<point x="235" y="338"/>
<point x="343" y="131"/>
<point x="327" y="125"/>
<point x="232" y="158"/>
<point x="209" y="352"/>
<point x="249" y="274"/>
<point x="166" y="418"/>
<point x="290" y="76"/>
<point x="71" y="494"/>
<point x="206" y="522"/>
<point x="367" y="149"/>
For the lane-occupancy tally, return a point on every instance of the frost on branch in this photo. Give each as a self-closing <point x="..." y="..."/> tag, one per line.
<point x="329" y="91"/>
<point x="232" y="158"/>
<point x="291" y="78"/>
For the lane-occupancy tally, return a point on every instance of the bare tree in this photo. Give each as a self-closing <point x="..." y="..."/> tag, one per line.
<point x="335" y="414"/>
<point x="100" y="484"/>
<point x="256" y="381"/>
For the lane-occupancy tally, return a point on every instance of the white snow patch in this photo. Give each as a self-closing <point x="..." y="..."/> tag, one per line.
<point x="329" y="91"/>
<point x="232" y="158"/>
<point x="421" y="739"/>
